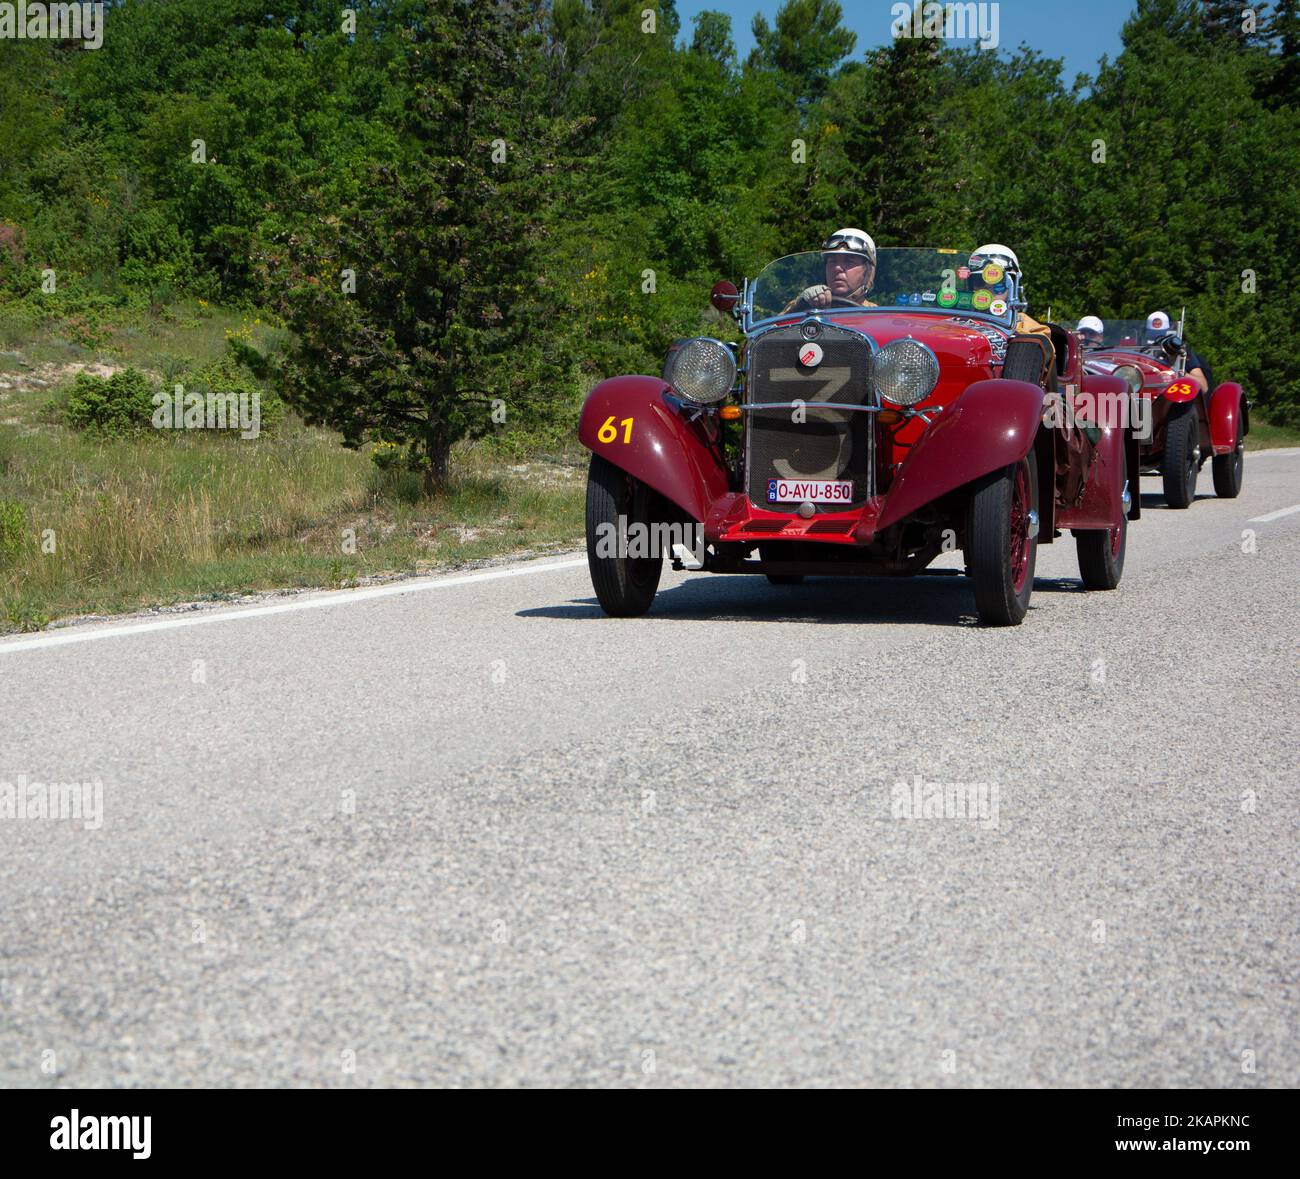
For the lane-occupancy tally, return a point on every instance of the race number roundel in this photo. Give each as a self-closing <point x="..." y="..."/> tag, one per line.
<point x="992" y="273"/>
<point x="1180" y="391"/>
<point x="810" y="354"/>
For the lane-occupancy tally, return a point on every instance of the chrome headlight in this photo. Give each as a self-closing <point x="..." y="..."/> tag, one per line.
<point x="1131" y="375"/>
<point x="905" y="372"/>
<point x="702" y="370"/>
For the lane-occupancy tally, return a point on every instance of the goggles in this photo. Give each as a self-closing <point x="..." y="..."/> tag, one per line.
<point x="849" y="243"/>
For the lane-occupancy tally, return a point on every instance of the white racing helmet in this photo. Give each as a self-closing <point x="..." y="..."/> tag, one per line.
<point x="1004" y="256"/>
<point x="1158" y="324"/>
<point x="852" y="241"/>
<point x="1090" y="323"/>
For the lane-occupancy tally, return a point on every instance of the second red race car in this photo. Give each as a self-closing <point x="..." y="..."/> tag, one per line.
<point x="1179" y="427"/>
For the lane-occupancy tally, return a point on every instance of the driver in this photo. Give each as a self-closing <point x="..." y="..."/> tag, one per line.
<point x="1160" y="330"/>
<point x="1090" y="330"/>
<point x="1001" y="258"/>
<point x="849" y="256"/>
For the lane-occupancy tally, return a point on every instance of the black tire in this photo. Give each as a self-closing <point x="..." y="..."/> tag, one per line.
<point x="1229" y="469"/>
<point x="1024" y="362"/>
<point x="772" y="553"/>
<point x="1101" y="555"/>
<point x="625" y="586"/>
<point x="1181" y="463"/>
<point x="995" y="540"/>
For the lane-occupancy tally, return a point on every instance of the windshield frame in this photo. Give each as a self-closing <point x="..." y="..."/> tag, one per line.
<point x="1015" y="299"/>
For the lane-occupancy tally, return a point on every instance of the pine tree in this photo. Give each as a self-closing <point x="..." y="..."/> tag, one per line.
<point x="401" y="296"/>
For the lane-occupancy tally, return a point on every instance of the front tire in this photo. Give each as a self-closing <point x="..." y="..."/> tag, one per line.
<point x="1002" y="543"/>
<point x="1229" y="469"/>
<point x="1182" y="455"/>
<point x="1101" y="554"/>
<point x="625" y="586"/>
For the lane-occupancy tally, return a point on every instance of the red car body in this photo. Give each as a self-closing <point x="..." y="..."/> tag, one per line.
<point x="1216" y="423"/>
<point x="1063" y="429"/>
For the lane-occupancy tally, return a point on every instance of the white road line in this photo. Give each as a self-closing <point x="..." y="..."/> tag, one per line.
<point x="1274" y="515"/>
<point x="341" y="598"/>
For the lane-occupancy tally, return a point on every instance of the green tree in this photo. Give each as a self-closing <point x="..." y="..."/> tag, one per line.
<point x="437" y="239"/>
<point x="805" y="46"/>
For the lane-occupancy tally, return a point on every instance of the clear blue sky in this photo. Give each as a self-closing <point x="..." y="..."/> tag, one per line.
<point x="1079" y="31"/>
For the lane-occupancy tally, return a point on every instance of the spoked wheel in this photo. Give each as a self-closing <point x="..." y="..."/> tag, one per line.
<point x="1182" y="455"/>
<point x="1002" y="543"/>
<point x="625" y="586"/>
<point x="1229" y="469"/>
<point x="1101" y="554"/>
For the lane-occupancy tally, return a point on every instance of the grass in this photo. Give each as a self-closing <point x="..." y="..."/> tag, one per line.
<point x="1264" y="435"/>
<point x="105" y="526"/>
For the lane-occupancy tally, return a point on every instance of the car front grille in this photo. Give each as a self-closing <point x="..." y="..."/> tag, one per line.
<point x="829" y="444"/>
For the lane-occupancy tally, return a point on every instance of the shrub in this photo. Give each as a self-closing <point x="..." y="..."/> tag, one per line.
<point x="120" y="404"/>
<point x="228" y="374"/>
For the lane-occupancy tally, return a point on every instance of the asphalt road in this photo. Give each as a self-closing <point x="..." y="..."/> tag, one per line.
<point x="468" y="831"/>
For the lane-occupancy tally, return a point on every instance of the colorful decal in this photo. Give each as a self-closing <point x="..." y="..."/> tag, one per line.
<point x="1181" y="391"/>
<point x="901" y="300"/>
<point x="963" y="299"/>
<point x="963" y="272"/>
<point x="998" y="307"/>
<point x="927" y="296"/>
<point x="947" y="298"/>
<point x="980" y="300"/>
<point x="810" y="355"/>
<point x="991" y="273"/>
<point x="915" y="300"/>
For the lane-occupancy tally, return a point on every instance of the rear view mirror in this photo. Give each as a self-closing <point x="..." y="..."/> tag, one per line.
<point x="724" y="295"/>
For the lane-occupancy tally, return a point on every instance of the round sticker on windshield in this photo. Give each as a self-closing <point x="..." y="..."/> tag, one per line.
<point x="991" y="273"/>
<point x="998" y="307"/>
<point x="980" y="300"/>
<point x="947" y="298"/>
<point x="963" y="272"/>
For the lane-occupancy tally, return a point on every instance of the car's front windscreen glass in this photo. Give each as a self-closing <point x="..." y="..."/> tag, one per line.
<point x="917" y="279"/>
<point x="1130" y="333"/>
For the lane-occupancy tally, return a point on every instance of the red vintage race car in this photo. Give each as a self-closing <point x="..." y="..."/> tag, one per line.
<point x="862" y="438"/>
<point x="1179" y="427"/>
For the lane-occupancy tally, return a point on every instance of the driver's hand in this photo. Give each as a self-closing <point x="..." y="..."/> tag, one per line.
<point x="816" y="296"/>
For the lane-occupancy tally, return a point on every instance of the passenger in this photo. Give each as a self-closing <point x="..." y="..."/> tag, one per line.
<point x="1005" y="257"/>
<point x="1160" y="331"/>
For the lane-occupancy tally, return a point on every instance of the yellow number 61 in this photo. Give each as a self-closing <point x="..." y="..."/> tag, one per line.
<point x="608" y="432"/>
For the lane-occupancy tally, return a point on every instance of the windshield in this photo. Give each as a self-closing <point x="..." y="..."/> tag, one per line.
<point x="918" y="279"/>
<point x="1124" y="333"/>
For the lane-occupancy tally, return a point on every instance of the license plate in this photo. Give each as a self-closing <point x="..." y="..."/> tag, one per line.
<point x="817" y="491"/>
